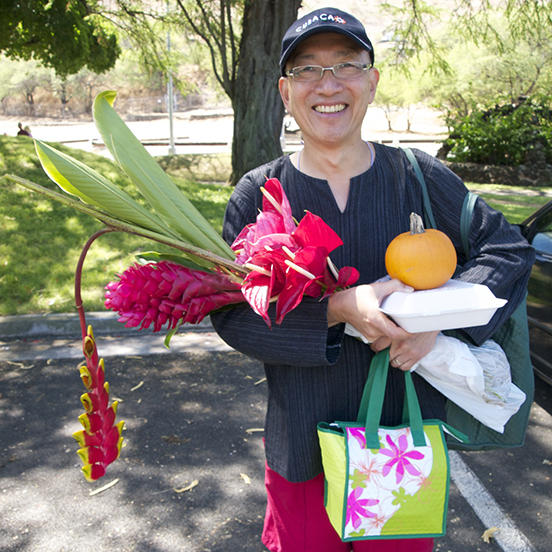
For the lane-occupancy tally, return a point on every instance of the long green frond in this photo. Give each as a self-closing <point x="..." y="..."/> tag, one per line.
<point x="157" y="188"/>
<point x="79" y="180"/>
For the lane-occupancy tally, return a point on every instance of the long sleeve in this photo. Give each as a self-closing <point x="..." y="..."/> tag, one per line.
<point x="303" y="338"/>
<point x="500" y="257"/>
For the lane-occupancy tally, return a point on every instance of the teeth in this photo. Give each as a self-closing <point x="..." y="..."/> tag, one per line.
<point x="329" y="108"/>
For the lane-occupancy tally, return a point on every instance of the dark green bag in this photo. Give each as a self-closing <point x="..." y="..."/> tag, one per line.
<point x="512" y="336"/>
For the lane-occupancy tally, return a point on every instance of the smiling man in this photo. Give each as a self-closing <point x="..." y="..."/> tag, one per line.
<point x="365" y="192"/>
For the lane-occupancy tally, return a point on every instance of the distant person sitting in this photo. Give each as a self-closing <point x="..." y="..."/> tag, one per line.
<point x="23" y="131"/>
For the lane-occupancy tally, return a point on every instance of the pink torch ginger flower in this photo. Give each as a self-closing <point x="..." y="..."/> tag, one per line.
<point x="168" y="293"/>
<point x="101" y="439"/>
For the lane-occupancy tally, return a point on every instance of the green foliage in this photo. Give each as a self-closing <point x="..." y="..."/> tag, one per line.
<point x="411" y="30"/>
<point x="219" y="25"/>
<point x="503" y="134"/>
<point x="60" y="34"/>
<point x="41" y="240"/>
<point x="498" y="68"/>
<point x="475" y="53"/>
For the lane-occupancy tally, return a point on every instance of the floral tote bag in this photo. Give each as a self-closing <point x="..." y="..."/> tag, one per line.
<point x="386" y="482"/>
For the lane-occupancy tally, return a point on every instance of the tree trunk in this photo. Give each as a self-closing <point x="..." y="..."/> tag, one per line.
<point x="258" y="108"/>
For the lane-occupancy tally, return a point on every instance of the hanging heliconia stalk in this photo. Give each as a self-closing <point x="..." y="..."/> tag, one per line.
<point x="101" y="439"/>
<point x="273" y="260"/>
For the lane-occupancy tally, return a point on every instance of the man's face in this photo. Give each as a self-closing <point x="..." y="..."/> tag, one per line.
<point x="330" y="110"/>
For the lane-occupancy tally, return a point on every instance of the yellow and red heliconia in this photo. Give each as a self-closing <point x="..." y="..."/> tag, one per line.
<point x="101" y="438"/>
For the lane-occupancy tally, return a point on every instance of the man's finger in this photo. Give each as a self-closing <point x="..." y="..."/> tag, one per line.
<point x="383" y="289"/>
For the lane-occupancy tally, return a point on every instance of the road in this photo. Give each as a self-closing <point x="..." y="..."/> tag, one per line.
<point x="193" y="414"/>
<point x="209" y="130"/>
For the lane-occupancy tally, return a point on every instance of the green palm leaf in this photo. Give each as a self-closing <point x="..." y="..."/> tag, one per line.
<point x="157" y="188"/>
<point x="79" y="180"/>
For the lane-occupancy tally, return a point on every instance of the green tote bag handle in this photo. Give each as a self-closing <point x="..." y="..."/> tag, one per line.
<point x="371" y="404"/>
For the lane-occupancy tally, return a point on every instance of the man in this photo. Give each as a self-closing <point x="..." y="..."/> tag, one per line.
<point x="366" y="193"/>
<point x="23" y="131"/>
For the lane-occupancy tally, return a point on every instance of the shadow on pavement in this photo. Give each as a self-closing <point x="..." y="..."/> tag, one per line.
<point x="186" y="422"/>
<point x="187" y="417"/>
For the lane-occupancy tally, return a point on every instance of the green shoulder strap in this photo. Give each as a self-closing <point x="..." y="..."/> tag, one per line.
<point x="429" y="219"/>
<point x="465" y="221"/>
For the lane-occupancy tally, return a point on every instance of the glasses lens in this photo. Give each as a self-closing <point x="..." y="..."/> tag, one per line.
<point x="312" y="73"/>
<point x="348" y="70"/>
<point x="306" y="73"/>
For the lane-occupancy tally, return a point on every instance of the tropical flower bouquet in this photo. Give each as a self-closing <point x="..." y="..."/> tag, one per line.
<point x="272" y="260"/>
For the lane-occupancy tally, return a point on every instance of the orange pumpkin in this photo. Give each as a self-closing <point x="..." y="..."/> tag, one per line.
<point x="423" y="259"/>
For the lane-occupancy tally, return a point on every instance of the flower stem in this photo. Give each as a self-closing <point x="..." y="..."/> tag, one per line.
<point x="78" y="278"/>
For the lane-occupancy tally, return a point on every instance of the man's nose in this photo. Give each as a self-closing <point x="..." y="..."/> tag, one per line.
<point x="328" y="80"/>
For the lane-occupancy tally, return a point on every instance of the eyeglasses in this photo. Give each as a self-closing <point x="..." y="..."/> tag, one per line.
<point x="313" y="73"/>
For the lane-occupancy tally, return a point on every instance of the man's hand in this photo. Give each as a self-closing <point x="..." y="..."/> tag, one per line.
<point x="404" y="353"/>
<point x="359" y="307"/>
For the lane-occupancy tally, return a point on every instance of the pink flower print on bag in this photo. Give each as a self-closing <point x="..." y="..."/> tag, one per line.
<point x="384" y="478"/>
<point x="357" y="508"/>
<point x="400" y="458"/>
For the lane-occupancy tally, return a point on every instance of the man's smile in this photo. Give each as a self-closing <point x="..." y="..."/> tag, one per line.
<point x="329" y="108"/>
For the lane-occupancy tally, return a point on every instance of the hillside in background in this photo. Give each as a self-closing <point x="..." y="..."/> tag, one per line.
<point x="370" y="13"/>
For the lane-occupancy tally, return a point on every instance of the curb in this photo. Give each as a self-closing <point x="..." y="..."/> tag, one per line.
<point x="68" y="325"/>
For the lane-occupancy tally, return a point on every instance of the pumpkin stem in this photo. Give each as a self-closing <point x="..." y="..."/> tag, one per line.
<point x="416" y="224"/>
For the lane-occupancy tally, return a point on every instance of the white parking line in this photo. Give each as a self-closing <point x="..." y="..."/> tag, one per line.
<point x="509" y="537"/>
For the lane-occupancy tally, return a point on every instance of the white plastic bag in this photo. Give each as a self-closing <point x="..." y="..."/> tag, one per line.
<point x="496" y="372"/>
<point x="476" y="378"/>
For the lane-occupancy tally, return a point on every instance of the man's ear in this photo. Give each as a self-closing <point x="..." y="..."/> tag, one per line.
<point x="374" y="79"/>
<point x="283" y="87"/>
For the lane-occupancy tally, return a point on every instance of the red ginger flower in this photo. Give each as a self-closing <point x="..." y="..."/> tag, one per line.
<point x="101" y="439"/>
<point x="168" y="293"/>
<point x="287" y="260"/>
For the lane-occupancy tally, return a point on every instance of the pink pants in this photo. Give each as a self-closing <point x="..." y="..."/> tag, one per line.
<point x="296" y="521"/>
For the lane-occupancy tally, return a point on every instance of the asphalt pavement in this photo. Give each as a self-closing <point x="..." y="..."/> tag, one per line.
<point x="190" y="476"/>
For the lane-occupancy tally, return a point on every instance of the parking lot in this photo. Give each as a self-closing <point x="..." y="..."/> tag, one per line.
<point x="190" y="477"/>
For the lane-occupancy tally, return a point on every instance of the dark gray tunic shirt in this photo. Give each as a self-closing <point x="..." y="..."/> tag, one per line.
<point x="318" y="374"/>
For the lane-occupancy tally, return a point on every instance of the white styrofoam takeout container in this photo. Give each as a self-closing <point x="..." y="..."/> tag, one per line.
<point x="451" y="306"/>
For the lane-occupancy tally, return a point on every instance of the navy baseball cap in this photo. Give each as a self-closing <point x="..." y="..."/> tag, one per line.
<point x="325" y="20"/>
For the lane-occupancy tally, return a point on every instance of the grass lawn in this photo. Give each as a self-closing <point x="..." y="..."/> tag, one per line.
<point x="516" y="203"/>
<point x="41" y="240"/>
